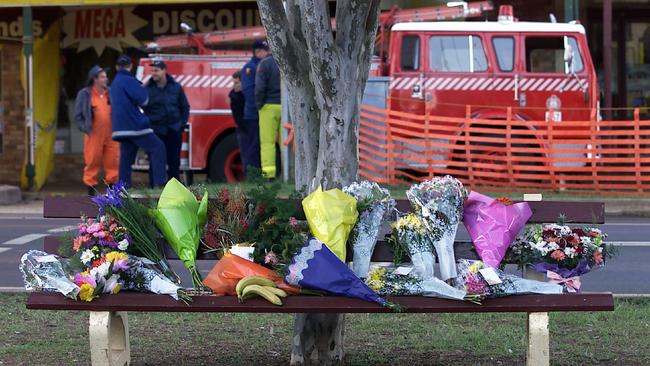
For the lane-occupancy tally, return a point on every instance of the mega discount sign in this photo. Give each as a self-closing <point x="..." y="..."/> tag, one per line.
<point x="101" y="28"/>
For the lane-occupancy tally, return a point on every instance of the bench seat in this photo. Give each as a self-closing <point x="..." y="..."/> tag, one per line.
<point x="134" y="301"/>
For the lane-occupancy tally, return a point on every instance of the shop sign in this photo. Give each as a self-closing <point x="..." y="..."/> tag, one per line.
<point x="101" y="28"/>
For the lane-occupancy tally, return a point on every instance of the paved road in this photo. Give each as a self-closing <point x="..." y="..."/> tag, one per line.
<point x="629" y="273"/>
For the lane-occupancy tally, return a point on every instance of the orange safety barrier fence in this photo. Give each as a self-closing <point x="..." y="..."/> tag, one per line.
<point x="587" y="157"/>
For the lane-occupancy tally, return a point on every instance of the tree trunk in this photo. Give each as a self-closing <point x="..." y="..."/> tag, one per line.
<point x="318" y="339"/>
<point x="325" y="77"/>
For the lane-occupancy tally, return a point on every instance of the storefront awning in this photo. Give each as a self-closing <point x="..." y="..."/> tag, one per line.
<point x="21" y="3"/>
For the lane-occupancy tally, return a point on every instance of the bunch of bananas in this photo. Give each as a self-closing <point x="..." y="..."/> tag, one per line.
<point x="251" y="286"/>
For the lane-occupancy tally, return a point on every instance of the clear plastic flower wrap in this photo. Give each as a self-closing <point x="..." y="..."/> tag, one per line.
<point x="409" y="234"/>
<point x="477" y="278"/>
<point x="374" y="205"/>
<point x="44" y="272"/>
<point x="145" y="276"/>
<point x="387" y="282"/>
<point x="439" y="202"/>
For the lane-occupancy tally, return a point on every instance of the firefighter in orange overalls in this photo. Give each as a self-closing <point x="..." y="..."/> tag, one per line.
<point x="93" y="117"/>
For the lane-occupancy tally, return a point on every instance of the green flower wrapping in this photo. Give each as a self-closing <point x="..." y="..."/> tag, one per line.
<point x="181" y="217"/>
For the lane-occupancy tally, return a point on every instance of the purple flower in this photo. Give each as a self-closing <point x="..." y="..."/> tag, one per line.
<point x="111" y="198"/>
<point x="120" y="265"/>
<point x="108" y="243"/>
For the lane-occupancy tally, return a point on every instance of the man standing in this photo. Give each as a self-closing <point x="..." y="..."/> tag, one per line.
<point x="92" y="112"/>
<point x="131" y="126"/>
<point x="251" y="136"/>
<point x="267" y="98"/>
<point x="237" y="108"/>
<point x="168" y="111"/>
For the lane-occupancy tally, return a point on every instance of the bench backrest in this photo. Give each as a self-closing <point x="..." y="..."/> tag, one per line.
<point x="579" y="212"/>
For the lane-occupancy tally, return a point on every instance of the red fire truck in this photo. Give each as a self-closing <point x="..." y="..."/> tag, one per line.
<point x="420" y="61"/>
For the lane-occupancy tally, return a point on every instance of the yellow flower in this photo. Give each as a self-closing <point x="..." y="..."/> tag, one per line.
<point x="86" y="293"/>
<point x="116" y="289"/>
<point x="375" y="279"/>
<point x="113" y="256"/>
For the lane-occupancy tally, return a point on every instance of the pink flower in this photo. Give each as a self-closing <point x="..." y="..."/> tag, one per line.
<point x="293" y="222"/>
<point x="271" y="258"/>
<point x="99" y="234"/>
<point x="93" y="228"/>
<point x="81" y="278"/>
<point x="598" y="257"/>
<point x="120" y="265"/>
<point x="558" y="255"/>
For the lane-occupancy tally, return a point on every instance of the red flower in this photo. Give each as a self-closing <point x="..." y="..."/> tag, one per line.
<point x="558" y="255"/>
<point x="224" y="195"/>
<point x="505" y="200"/>
<point x="574" y="240"/>
<point x="99" y="262"/>
<point x="579" y="231"/>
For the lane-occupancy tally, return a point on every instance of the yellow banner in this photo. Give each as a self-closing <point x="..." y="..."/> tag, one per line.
<point x="16" y="3"/>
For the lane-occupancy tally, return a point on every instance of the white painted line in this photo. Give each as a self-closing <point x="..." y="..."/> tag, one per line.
<point x="626" y="224"/>
<point x="24" y="239"/>
<point x="12" y="289"/>
<point x="629" y="243"/>
<point x="623" y="296"/>
<point x="63" y="229"/>
<point x="2" y="250"/>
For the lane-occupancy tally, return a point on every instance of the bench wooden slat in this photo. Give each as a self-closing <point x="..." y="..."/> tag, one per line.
<point x="133" y="301"/>
<point x="544" y="211"/>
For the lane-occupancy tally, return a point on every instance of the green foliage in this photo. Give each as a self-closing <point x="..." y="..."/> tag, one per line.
<point x="274" y="227"/>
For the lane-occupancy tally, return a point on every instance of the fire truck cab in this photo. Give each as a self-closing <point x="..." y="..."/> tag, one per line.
<point x="540" y="71"/>
<point x="491" y="66"/>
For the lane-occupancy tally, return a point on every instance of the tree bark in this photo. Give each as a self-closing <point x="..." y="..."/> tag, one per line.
<point x="326" y="77"/>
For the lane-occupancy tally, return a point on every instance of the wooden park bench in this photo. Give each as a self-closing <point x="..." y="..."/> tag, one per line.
<point x="108" y="322"/>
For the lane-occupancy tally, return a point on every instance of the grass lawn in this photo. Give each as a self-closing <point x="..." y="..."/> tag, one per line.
<point x="31" y="337"/>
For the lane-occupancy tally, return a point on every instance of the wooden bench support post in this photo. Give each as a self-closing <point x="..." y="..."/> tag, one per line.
<point x="538" y="353"/>
<point x="109" y="338"/>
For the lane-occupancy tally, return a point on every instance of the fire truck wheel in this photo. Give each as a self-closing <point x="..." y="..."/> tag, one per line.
<point x="225" y="163"/>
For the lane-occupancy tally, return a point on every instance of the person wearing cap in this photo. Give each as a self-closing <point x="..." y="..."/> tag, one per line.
<point x="168" y="111"/>
<point x="131" y="127"/>
<point x="267" y="99"/>
<point x="92" y="113"/>
<point x="250" y="128"/>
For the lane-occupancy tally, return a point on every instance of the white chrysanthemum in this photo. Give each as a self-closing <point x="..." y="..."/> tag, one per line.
<point x="86" y="256"/>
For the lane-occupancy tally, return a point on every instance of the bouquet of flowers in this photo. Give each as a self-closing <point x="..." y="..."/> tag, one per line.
<point x="386" y="283"/>
<point x="316" y="267"/>
<point x="373" y="204"/>
<point x="135" y="218"/>
<point x="439" y="202"/>
<point x="562" y="252"/>
<point x="229" y="218"/>
<point x="409" y="234"/>
<point x="180" y="217"/>
<point x="100" y="248"/>
<point x="331" y="215"/>
<point x="484" y="281"/>
<point x="45" y="272"/>
<point x="493" y="224"/>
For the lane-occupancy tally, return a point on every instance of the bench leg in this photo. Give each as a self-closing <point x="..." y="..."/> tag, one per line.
<point x="538" y="353"/>
<point x="109" y="338"/>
